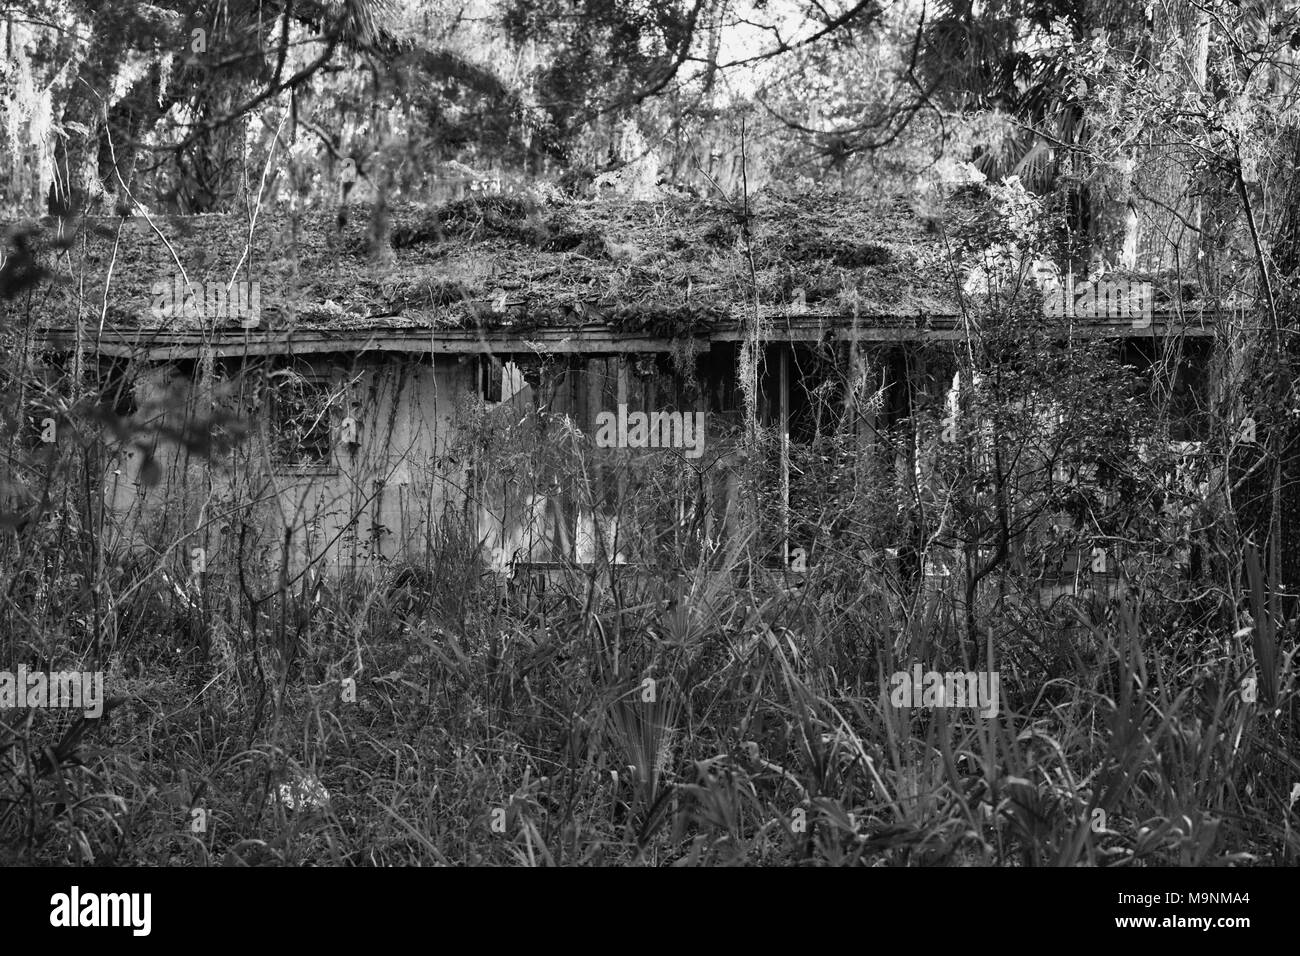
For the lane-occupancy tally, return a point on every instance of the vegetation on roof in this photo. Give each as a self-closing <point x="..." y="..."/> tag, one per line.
<point x="671" y="265"/>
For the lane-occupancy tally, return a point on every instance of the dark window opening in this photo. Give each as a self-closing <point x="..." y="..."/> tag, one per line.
<point x="1183" y="383"/>
<point x="299" y="419"/>
<point x="117" y="384"/>
<point x="490" y="371"/>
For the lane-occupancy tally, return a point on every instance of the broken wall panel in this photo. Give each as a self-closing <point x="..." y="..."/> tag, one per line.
<point x="368" y="501"/>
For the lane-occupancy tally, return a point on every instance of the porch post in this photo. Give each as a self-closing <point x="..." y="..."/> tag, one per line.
<point x="783" y="406"/>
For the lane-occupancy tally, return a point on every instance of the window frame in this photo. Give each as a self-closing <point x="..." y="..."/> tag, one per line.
<point x="325" y="381"/>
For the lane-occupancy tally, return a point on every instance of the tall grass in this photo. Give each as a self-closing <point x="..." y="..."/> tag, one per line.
<point x="768" y="738"/>
<point x="692" y="707"/>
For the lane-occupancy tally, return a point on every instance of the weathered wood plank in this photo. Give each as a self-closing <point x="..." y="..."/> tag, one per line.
<point x="167" y="345"/>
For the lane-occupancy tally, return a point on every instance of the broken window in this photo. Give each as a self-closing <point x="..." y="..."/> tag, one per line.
<point x="299" y="421"/>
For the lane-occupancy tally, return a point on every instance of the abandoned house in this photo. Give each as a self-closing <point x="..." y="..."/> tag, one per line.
<point x="523" y="375"/>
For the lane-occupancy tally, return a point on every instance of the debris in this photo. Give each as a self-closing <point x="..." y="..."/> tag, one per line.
<point x="302" y="793"/>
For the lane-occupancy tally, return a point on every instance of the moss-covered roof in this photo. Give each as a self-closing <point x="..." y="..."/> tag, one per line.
<point x="672" y="266"/>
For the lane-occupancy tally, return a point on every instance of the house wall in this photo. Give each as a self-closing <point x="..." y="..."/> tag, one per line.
<point x="382" y="499"/>
<point x="541" y="495"/>
<point x="552" y="495"/>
